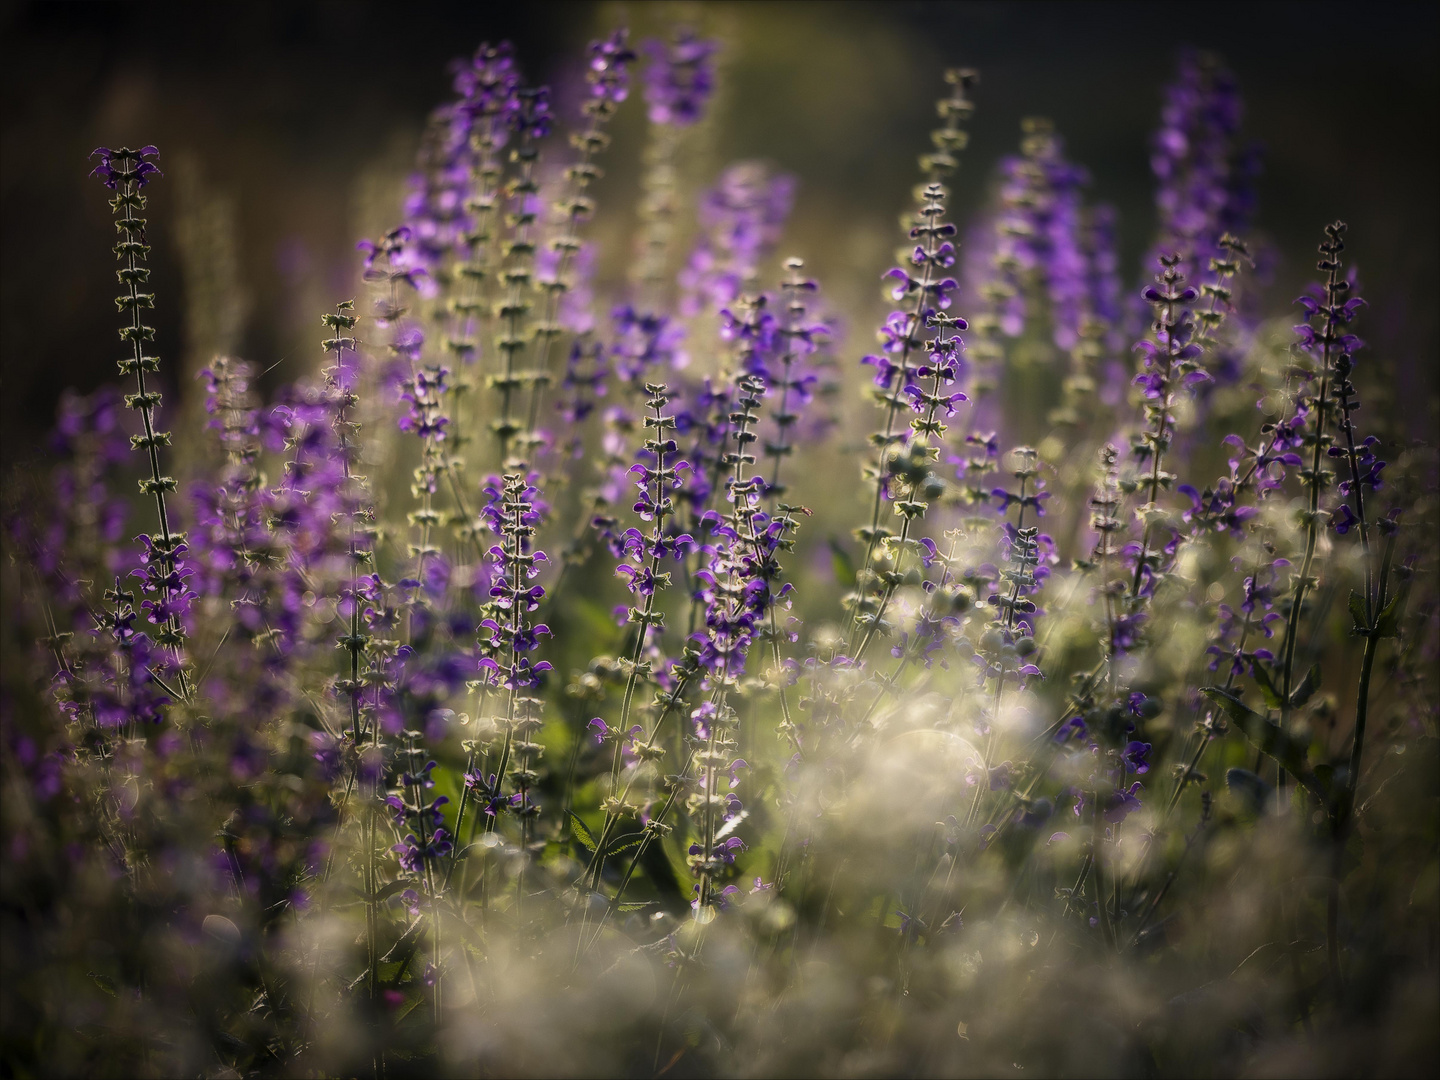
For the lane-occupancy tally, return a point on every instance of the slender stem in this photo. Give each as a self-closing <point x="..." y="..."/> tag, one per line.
<point x="1343" y="815"/>
<point x="1157" y="443"/>
<point x="661" y="504"/>
<point x="1312" y="525"/>
<point x="948" y="140"/>
<point x="578" y="178"/>
<point x="888" y="439"/>
<point x="132" y="248"/>
<point x="518" y="277"/>
<point x="651" y="834"/>
<point x="927" y="429"/>
<point x="673" y="701"/>
<point x="1357" y="496"/>
<point x="984" y="781"/>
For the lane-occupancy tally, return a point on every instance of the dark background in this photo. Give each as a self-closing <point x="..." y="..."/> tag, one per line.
<point x="298" y="118"/>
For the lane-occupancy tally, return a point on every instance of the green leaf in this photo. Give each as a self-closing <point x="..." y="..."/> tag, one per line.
<point x="841" y="564"/>
<point x="624" y="843"/>
<point x="1306" y="690"/>
<point x="1270" y="739"/>
<point x="586" y="838"/>
<point x="1272" y="696"/>
<point x="1357" y="612"/>
<point x="387" y="891"/>
<point x="643" y="905"/>
<point x="384" y="893"/>
<point x="1234" y="708"/>
<point x="389" y="971"/>
<point x="1388" y="624"/>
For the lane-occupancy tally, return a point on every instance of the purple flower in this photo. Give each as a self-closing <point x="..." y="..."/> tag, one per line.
<point x="1040" y="233"/>
<point x="488" y="86"/>
<point x="532" y="119"/>
<point x="415" y="853"/>
<point x="511" y="512"/>
<point x="1328" y="310"/>
<point x="1121" y="803"/>
<point x="125" y="166"/>
<point x="584" y="383"/>
<point x="608" y="75"/>
<point x="424" y="394"/>
<point x="1217" y="508"/>
<point x="643" y="346"/>
<point x="1136" y="757"/>
<point x="679" y="78"/>
<point x="741" y="219"/>
<point x="1205" y="182"/>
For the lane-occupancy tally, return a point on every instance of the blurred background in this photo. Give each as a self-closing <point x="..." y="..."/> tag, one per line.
<point x="286" y="131"/>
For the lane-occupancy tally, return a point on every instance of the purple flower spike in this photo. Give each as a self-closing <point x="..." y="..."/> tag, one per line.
<point x="741" y="219"/>
<point x="679" y="78"/>
<point x="608" y="73"/>
<point x="124" y="166"/>
<point x="1137" y="757"/>
<point x="1121" y="803"/>
<point x="1205" y="179"/>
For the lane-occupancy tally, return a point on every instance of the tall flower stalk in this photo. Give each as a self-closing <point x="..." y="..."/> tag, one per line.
<point x="1204" y="178"/>
<point x="735" y="594"/>
<point x="931" y="258"/>
<point x="509" y="636"/>
<point x="1374" y="611"/>
<point x="126" y="172"/>
<point x="1007" y="651"/>
<point x="532" y="121"/>
<point x="679" y="81"/>
<point x="905" y="468"/>
<point x="656" y="475"/>
<point x="608" y="80"/>
<point x="1325" y="348"/>
<point x="489" y="87"/>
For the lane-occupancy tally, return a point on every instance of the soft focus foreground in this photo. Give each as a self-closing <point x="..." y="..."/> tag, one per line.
<point x="598" y="664"/>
